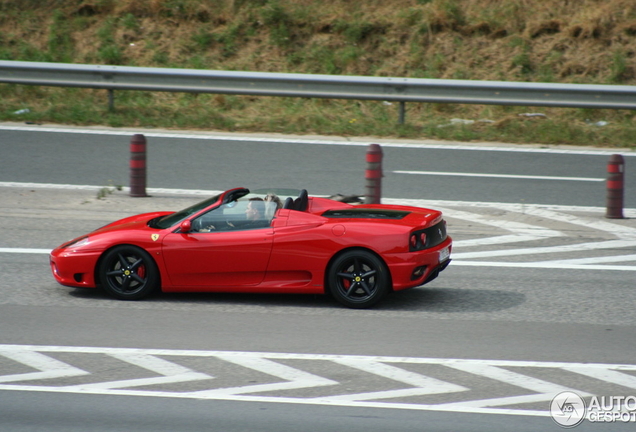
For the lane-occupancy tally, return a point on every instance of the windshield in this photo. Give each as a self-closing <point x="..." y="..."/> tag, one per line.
<point x="273" y="200"/>
<point x="174" y="218"/>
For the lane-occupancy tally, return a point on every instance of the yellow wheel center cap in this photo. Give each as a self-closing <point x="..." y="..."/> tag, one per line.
<point x="358" y="279"/>
<point x="127" y="272"/>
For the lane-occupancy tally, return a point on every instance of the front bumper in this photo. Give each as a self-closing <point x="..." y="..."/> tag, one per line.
<point x="72" y="268"/>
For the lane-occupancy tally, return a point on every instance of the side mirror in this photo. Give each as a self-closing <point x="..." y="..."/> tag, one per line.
<point x="185" y="227"/>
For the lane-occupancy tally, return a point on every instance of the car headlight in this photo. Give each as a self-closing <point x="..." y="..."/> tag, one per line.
<point x="81" y="241"/>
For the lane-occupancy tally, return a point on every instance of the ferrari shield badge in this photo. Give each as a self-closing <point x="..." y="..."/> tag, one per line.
<point x="154" y="237"/>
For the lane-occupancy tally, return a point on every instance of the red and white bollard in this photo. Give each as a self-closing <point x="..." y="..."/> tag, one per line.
<point x="138" y="166"/>
<point x="373" y="175"/>
<point x="615" y="187"/>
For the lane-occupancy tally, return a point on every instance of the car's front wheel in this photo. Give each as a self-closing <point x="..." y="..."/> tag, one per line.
<point x="128" y="273"/>
<point x="358" y="279"/>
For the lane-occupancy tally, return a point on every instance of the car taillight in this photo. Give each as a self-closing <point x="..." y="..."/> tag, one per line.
<point x="417" y="241"/>
<point x="428" y="237"/>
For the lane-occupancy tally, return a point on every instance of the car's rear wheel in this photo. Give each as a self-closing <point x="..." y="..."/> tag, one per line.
<point x="128" y="273"/>
<point x="358" y="279"/>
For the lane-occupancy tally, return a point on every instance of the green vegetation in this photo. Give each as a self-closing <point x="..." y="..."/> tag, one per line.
<point x="108" y="190"/>
<point x="587" y="41"/>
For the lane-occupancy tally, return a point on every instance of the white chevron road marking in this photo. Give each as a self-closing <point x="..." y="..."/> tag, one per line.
<point x="625" y="236"/>
<point x="294" y="378"/>
<point x="506" y="372"/>
<point x="610" y="244"/>
<point x="422" y="385"/>
<point x="521" y="232"/>
<point x="170" y="373"/>
<point x="608" y="375"/>
<point x="545" y="390"/>
<point x="48" y="366"/>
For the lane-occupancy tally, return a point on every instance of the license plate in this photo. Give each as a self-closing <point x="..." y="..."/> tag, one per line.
<point x="444" y="254"/>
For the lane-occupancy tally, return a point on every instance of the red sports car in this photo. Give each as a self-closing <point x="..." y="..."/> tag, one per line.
<point x="265" y="241"/>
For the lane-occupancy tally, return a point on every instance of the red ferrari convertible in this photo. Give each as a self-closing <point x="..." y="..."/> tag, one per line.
<point x="265" y="241"/>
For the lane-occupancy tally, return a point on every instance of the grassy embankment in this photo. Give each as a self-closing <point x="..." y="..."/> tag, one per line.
<point x="583" y="41"/>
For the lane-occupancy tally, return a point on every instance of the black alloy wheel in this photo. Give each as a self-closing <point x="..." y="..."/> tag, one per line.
<point x="358" y="279"/>
<point x="128" y="273"/>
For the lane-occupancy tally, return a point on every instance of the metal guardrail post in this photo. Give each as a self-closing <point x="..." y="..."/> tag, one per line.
<point x="111" y="100"/>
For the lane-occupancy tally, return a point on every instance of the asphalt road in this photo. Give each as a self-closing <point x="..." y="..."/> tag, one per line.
<point x="517" y="314"/>
<point x="200" y="161"/>
<point x="80" y="413"/>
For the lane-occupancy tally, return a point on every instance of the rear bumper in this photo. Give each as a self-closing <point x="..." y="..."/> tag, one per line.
<point x="412" y="269"/>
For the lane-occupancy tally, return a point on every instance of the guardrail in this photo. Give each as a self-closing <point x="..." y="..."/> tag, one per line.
<point x="393" y="89"/>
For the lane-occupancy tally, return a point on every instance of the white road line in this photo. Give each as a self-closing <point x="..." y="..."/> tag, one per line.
<point x="502" y="401"/>
<point x="541" y="265"/>
<point x="579" y="247"/>
<point x="12" y="348"/>
<point x="25" y="250"/>
<point x="424" y="144"/>
<point x="606" y="375"/>
<point x="489" y="241"/>
<point x="594" y="260"/>
<point x="508" y="176"/>
<point x="124" y="189"/>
